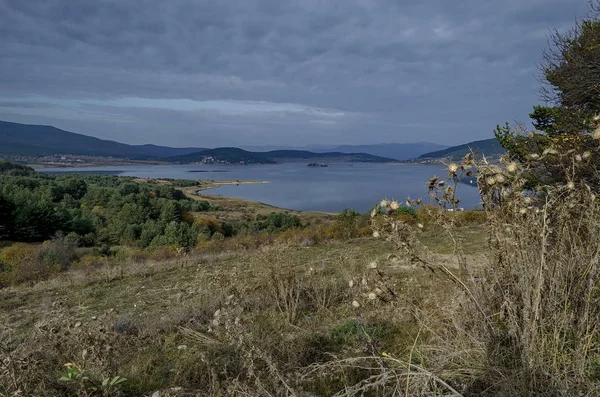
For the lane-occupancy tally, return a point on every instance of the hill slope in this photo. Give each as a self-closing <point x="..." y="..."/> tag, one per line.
<point x="236" y="155"/>
<point x="39" y="140"/>
<point x="398" y="151"/>
<point x="488" y="147"/>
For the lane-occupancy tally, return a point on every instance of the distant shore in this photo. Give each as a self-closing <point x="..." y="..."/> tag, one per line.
<point x="104" y="162"/>
<point x="204" y="185"/>
<point x="89" y="164"/>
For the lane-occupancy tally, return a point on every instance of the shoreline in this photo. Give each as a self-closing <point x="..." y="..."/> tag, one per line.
<point x="206" y="185"/>
<point x="233" y="207"/>
<point x="131" y="163"/>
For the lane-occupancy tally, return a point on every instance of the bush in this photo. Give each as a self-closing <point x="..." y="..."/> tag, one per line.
<point x="164" y="253"/>
<point x="24" y="262"/>
<point x="59" y="251"/>
<point x="472" y="217"/>
<point x="531" y="313"/>
<point x="207" y="225"/>
<point x="345" y="225"/>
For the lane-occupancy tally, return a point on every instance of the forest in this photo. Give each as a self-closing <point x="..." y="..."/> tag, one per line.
<point x="113" y="210"/>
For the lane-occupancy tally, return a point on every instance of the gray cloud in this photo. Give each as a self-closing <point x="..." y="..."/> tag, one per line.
<point x="438" y="70"/>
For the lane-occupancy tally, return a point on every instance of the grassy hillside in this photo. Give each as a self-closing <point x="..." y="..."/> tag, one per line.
<point x="243" y="312"/>
<point x="224" y="323"/>
<point x="487" y="147"/>
<point x="39" y="140"/>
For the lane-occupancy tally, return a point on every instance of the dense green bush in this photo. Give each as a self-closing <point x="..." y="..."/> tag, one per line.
<point x="273" y="223"/>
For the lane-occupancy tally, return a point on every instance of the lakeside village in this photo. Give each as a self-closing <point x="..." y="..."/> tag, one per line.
<point x="214" y="160"/>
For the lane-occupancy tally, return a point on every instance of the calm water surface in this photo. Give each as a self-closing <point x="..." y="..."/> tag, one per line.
<point x="297" y="186"/>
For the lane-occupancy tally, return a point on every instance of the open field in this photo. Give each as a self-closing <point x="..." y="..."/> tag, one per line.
<point x="206" y="323"/>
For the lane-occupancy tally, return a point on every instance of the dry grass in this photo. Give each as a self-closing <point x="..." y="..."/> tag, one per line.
<point x="239" y="323"/>
<point x="526" y="323"/>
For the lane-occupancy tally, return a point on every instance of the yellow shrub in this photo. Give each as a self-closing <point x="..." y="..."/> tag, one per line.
<point x="410" y="220"/>
<point x="24" y="264"/>
<point x="427" y="212"/>
<point x="211" y="224"/>
<point x="91" y="261"/>
<point x="164" y="253"/>
<point x="472" y="217"/>
<point x="188" y="217"/>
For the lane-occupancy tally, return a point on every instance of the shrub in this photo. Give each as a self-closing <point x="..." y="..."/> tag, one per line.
<point x="22" y="263"/>
<point x="534" y="309"/>
<point x="427" y="213"/>
<point x="164" y="253"/>
<point x="207" y="225"/>
<point x="345" y="225"/>
<point x="90" y="262"/>
<point x="60" y="251"/>
<point x="472" y="217"/>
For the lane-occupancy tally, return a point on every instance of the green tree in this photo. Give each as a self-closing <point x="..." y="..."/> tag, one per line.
<point x="571" y="75"/>
<point x="6" y="218"/>
<point x="570" y="71"/>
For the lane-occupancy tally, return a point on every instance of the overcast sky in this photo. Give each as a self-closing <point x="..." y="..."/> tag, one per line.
<point x="274" y="72"/>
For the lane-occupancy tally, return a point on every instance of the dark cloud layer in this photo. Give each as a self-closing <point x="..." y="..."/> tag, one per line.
<point x="274" y="71"/>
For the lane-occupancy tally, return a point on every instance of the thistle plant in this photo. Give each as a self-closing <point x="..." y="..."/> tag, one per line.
<point x="536" y="303"/>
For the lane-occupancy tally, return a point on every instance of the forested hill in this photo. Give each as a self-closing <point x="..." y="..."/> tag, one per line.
<point x="486" y="147"/>
<point x="41" y="140"/>
<point x="235" y="156"/>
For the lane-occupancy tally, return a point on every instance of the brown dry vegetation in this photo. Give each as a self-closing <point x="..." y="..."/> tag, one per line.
<point x="239" y="322"/>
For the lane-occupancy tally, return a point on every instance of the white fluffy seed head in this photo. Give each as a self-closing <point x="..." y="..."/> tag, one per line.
<point x="453" y="168"/>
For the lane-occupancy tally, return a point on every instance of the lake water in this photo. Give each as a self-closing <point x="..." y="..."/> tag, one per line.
<point x="299" y="187"/>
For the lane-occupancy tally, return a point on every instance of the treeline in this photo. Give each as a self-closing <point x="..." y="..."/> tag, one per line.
<point x="93" y="209"/>
<point x="97" y="210"/>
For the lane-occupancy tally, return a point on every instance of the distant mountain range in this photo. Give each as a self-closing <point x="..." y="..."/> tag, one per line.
<point x="487" y="147"/>
<point x="236" y="155"/>
<point x="398" y="151"/>
<point x="41" y="140"/>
